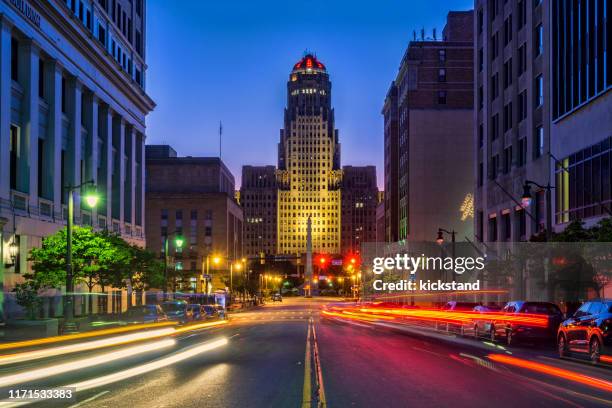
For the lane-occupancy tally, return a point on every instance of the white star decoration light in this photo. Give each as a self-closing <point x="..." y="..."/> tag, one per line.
<point x="467" y="207"/>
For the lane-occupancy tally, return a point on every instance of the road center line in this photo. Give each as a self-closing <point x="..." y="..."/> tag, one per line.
<point x="307" y="390"/>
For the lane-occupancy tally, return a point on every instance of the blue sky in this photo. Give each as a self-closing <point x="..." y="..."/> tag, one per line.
<point x="213" y="60"/>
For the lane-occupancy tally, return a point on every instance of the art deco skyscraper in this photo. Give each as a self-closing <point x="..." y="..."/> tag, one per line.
<point x="309" y="173"/>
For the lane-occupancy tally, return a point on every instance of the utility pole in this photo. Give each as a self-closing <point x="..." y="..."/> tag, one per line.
<point x="220" y="134"/>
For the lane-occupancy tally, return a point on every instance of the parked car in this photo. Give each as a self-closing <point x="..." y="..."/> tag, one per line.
<point x="588" y="332"/>
<point x="210" y="311"/>
<point x="479" y="326"/>
<point x="146" y="314"/>
<point x="460" y="306"/>
<point x="196" y="311"/>
<point x="178" y="310"/>
<point x="220" y="311"/>
<point x="512" y="332"/>
<point x="276" y="297"/>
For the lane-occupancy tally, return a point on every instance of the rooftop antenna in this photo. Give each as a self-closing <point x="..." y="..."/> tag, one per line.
<point x="434" y="34"/>
<point x="414" y="35"/>
<point x="220" y="133"/>
<point x="422" y="34"/>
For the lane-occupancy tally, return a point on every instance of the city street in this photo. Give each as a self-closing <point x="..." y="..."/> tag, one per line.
<point x="263" y="365"/>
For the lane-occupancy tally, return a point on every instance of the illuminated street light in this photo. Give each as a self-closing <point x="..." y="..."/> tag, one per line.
<point x="92" y="199"/>
<point x="179" y="241"/>
<point x="526" y="198"/>
<point x="216" y="260"/>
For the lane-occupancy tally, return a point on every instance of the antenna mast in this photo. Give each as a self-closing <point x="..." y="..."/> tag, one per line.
<point x="220" y="133"/>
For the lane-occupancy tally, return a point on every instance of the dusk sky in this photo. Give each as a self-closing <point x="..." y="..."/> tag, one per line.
<point x="229" y="61"/>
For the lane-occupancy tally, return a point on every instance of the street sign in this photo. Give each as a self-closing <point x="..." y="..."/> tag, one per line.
<point x="206" y="276"/>
<point x="336" y="262"/>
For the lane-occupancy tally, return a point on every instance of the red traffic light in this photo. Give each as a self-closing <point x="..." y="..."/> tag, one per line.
<point x="352" y="260"/>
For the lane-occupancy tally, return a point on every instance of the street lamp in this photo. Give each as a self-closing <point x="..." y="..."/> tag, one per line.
<point x="178" y="243"/>
<point x="91" y="199"/>
<point x="526" y="200"/>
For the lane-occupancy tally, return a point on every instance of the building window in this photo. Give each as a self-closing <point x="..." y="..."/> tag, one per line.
<point x="442" y="97"/>
<point x="507" y="159"/>
<point x="508" y="73"/>
<point x="14" y="59"/>
<point x="539" y="40"/>
<point x="507" y="226"/>
<point x="508" y="116"/>
<point x="494" y="167"/>
<point x="493" y="9"/>
<point x="480" y="21"/>
<point x="492" y="229"/>
<point x="522" y="152"/>
<point x="41" y="78"/>
<point x="102" y="35"/>
<point x="494" y="86"/>
<point x="480" y="135"/>
<point x="63" y="96"/>
<point x="494" y="126"/>
<point x="480" y="59"/>
<point x="539" y="91"/>
<point x="520" y="223"/>
<point x="480" y="173"/>
<point x="442" y="56"/>
<point x="14" y="153"/>
<point x="494" y="46"/>
<point x="508" y="30"/>
<point x="522" y="106"/>
<point x="538" y="143"/>
<point x="522" y="56"/>
<point x="442" y="75"/>
<point x="480" y="97"/>
<point x="522" y="13"/>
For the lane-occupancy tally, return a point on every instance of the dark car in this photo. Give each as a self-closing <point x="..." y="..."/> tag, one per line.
<point x="178" y="310"/>
<point x="196" y="311"/>
<point x="477" y="326"/>
<point x="210" y="311"/>
<point x="512" y="332"/>
<point x="587" y="332"/>
<point x="277" y="297"/>
<point x="460" y="306"/>
<point x="146" y="314"/>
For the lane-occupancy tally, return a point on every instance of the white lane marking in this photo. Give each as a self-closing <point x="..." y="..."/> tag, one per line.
<point x="85" y="401"/>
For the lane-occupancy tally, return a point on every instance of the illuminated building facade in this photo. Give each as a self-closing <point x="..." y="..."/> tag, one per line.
<point x="309" y="175"/>
<point x="73" y="108"/>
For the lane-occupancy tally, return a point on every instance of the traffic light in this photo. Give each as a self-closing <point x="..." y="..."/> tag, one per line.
<point x="352" y="260"/>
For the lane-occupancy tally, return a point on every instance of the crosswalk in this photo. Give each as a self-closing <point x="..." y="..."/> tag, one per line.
<point x="283" y="315"/>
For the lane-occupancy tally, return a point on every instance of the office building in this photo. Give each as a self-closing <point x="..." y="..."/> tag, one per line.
<point x="193" y="198"/>
<point x="428" y="135"/>
<point x="258" y="196"/>
<point x="359" y="202"/>
<point x="581" y="111"/>
<point x="72" y="109"/>
<point x="309" y="175"/>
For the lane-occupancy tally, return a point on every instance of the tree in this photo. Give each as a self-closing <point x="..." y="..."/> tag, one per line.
<point x="98" y="258"/>
<point x="26" y="295"/>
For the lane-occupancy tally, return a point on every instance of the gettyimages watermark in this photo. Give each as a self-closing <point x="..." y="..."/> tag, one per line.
<point x="487" y="272"/>
<point x="413" y="264"/>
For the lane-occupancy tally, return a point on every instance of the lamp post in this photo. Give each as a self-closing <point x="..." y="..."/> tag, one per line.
<point x="178" y="243"/>
<point x="527" y="199"/>
<point x="440" y="241"/>
<point x="91" y="199"/>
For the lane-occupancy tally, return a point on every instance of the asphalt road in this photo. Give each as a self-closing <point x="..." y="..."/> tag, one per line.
<point x="263" y="365"/>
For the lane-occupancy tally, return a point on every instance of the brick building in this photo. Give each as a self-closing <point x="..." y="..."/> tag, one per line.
<point x="428" y="116"/>
<point x="258" y="199"/>
<point x="193" y="197"/>
<point x="359" y="202"/>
